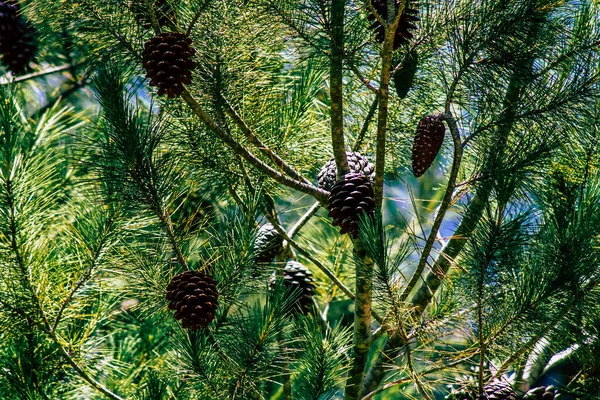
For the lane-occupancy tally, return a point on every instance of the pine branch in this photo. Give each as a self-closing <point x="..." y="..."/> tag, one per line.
<point x="33" y="75"/>
<point x="384" y="83"/>
<point x="362" y="320"/>
<point x="304" y="219"/>
<point x="443" y="366"/>
<point x="80" y="371"/>
<point x="278" y="161"/>
<point x="365" y="264"/>
<point x="318" y="194"/>
<point x="197" y="15"/>
<point x="336" y="73"/>
<point x="535" y="339"/>
<point x="424" y="293"/>
<point x="364" y="80"/>
<point x="330" y="274"/>
<point x="365" y="127"/>
<point x="94" y="257"/>
<point x="152" y="14"/>
<point x="63" y="95"/>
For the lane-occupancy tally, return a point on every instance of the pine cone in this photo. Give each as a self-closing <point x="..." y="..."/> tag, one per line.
<point x="497" y="390"/>
<point x="268" y="244"/>
<point x="405" y="25"/>
<point x="167" y="59"/>
<point x="405" y="75"/>
<point x="357" y="164"/>
<point x="541" y="393"/>
<point x="193" y="295"/>
<point x="297" y="277"/>
<point x="427" y="143"/>
<point x="17" y="39"/>
<point x="349" y="197"/>
<point x="163" y="11"/>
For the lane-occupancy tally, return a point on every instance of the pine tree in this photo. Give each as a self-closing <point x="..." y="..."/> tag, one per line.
<point x="167" y="228"/>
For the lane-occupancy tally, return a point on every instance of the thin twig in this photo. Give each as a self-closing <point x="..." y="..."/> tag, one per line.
<point x="201" y="9"/>
<point x="533" y="341"/>
<point x="403" y="381"/>
<point x="310" y="258"/>
<point x="364" y="80"/>
<point x="65" y="94"/>
<point x="86" y="275"/>
<point x="366" y="123"/>
<point x="49" y="71"/>
<point x="304" y="219"/>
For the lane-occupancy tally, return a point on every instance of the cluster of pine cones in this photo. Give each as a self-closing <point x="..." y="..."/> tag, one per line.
<point x="168" y="61"/>
<point x="17" y="38"/>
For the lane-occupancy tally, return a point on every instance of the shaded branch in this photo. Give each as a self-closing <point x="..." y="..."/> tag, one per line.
<point x="366" y="123"/>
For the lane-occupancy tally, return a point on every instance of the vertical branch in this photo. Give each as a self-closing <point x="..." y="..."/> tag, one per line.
<point x="393" y="16"/>
<point x="422" y="294"/>
<point x="336" y="86"/>
<point x="362" y="320"/>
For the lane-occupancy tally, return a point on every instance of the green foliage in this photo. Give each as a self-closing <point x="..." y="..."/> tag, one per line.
<point x="108" y="191"/>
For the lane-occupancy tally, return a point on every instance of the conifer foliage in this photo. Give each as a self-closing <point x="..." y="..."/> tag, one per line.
<point x="206" y="199"/>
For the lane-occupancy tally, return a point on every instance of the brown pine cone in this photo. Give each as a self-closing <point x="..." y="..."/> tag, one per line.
<point x="350" y="196"/>
<point x="167" y="59"/>
<point x="194" y="297"/>
<point x="428" y="141"/>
